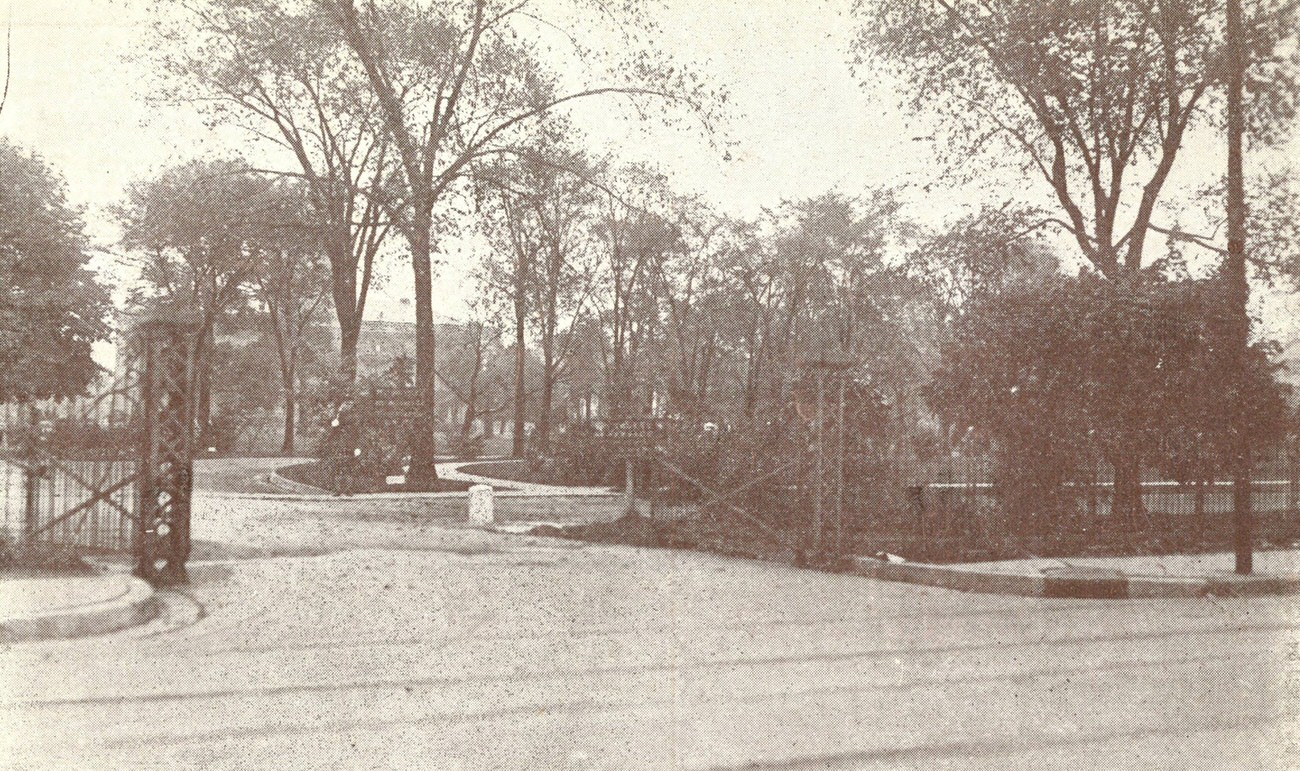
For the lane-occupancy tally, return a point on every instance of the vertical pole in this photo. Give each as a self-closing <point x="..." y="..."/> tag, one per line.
<point x="1237" y="290"/>
<point x="652" y="477"/>
<point x="817" y="507"/>
<point x="163" y="539"/>
<point x="31" y="479"/>
<point x="1292" y="485"/>
<point x="839" y="469"/>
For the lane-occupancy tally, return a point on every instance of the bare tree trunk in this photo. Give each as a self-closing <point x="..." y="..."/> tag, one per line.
<point x="203" y="386"/>
<point x="343" y="288"/>
<point x="290" y="421"/>
<point x="467" y="425"/>
<point x="548" y="397"/>
<point x="1127" y="502"/>
<point x="348" y="355"/>
<point x="521" y="396"/>
<point x="423" y="471"/>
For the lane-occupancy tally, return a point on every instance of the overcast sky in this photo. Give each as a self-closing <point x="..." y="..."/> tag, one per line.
<point x="803" y="124"/>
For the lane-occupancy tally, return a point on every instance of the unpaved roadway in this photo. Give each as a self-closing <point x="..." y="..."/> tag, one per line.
<point x="342" y="634"/>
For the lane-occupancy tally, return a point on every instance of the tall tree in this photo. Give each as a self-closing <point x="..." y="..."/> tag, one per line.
<point x="634" y="235"/>
<point x="473" y="369"/>
<point x="516" y="238"/>
<point x="282" y="74"/>
<point x="457" y="83"/>
<point x="293" y="286"/>
<point x="1094" y="97"/>
<point x="198" y="232"/>
<point x="52" y="308"/>
<point x="534" y="210"/>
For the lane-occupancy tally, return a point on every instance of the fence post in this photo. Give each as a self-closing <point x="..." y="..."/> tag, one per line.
<point x="31" y="478"/>
<point x="162" y="542"/>
<point x="31" y="503"/>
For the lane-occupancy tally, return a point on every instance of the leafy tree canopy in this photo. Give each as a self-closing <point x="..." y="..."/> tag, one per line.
<point x="1058" y="371"/>
<point x="52" y="308"/>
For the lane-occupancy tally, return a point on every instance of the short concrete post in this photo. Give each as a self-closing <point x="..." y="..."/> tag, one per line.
<point x="480" y="506"/>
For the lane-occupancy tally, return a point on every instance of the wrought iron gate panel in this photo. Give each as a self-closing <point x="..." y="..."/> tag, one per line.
<point x="111" y="471"/>
<point x="69" y="467"/>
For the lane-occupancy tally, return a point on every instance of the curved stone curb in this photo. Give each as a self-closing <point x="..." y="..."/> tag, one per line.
<point x="534" y="489"/>
<point x="297" y="491"/>
<point x="1086" y="585"/>
<point x="136" y="604"/>
<point x="276" y="479"/>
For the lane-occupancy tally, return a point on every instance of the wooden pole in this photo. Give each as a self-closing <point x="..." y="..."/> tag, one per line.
<point x="817" y="507"/>
<point x="839" y="469"/>
<point x="1237" y="290"/>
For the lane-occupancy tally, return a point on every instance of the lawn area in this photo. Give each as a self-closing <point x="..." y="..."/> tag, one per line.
<point x="1164" y="535"/>
<point x="521" y="471"/>
<point x="319" y="474"/>
<point x="37" y="559"/>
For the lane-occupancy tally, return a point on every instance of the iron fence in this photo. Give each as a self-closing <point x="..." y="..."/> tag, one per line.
<point x="970" y="484"/>
<point x="69" y="468"/>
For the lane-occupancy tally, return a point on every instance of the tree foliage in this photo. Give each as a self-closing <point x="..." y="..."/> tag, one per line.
<point x="282" y="74"/>
<point x="1095" y="97"/>
<point x="1060" y="373"/>
<point x="52" y="308"/>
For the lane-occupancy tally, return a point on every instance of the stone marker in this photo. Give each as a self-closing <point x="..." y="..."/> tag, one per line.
<point x="480" y="506"/>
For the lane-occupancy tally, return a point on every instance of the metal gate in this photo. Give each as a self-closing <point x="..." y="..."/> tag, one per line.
<point x="109" y="472"/>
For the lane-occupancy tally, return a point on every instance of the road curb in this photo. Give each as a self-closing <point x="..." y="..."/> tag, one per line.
<point x="1084" y="585"/>
<point x="276" y="479"/>
<point x="135" y="605"/>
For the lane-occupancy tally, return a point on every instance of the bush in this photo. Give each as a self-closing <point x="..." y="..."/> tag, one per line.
<point x="467" y="448"/>
<point x="370" y="434"/>
<point x="41" y="557"/>
<point x="579" y="456"/>
<point x="77" y="438"/>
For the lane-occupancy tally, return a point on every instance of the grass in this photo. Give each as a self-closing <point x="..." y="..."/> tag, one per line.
<point x="318" y="474"/>
<point x="521" y="471"/>
<point x="1097" y="537"/>
<point x="38" y="559"/>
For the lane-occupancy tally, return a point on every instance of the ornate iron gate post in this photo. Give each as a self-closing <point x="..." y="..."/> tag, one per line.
<point x="162" y="543"/>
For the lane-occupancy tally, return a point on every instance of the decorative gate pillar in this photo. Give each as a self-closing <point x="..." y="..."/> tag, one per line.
<point x="162" y="537"/>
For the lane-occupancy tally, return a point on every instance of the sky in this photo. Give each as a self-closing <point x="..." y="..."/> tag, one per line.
<point x="802" y="123"/>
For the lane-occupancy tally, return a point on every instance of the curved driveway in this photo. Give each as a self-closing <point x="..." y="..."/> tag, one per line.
<point x="348" y="636"/>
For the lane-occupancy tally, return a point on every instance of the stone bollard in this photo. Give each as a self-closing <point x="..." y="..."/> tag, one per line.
<point x="480" y="506"/>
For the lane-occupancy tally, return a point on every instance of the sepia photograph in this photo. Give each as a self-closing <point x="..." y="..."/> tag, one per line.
<point x="650" y="384"/>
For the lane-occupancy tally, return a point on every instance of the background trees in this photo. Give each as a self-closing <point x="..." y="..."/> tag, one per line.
<point x="52" y="308"/>
<point x="294" y="289"/>
<point x="281" y="73"/>
<point x="536" y="211"/>
<point x="455" y="85"/>
<point x="194" y="233"/>
<point x="217" y="240"/>
<point x="1094" y="98"/>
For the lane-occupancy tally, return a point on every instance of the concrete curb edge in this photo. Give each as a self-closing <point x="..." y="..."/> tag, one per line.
<point x="1066" y="586"/>
<point x="136" y="606"/>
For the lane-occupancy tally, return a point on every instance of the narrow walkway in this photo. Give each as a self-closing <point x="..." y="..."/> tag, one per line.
<point x="451" y="470"/>
<point x="255" y="478"/>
